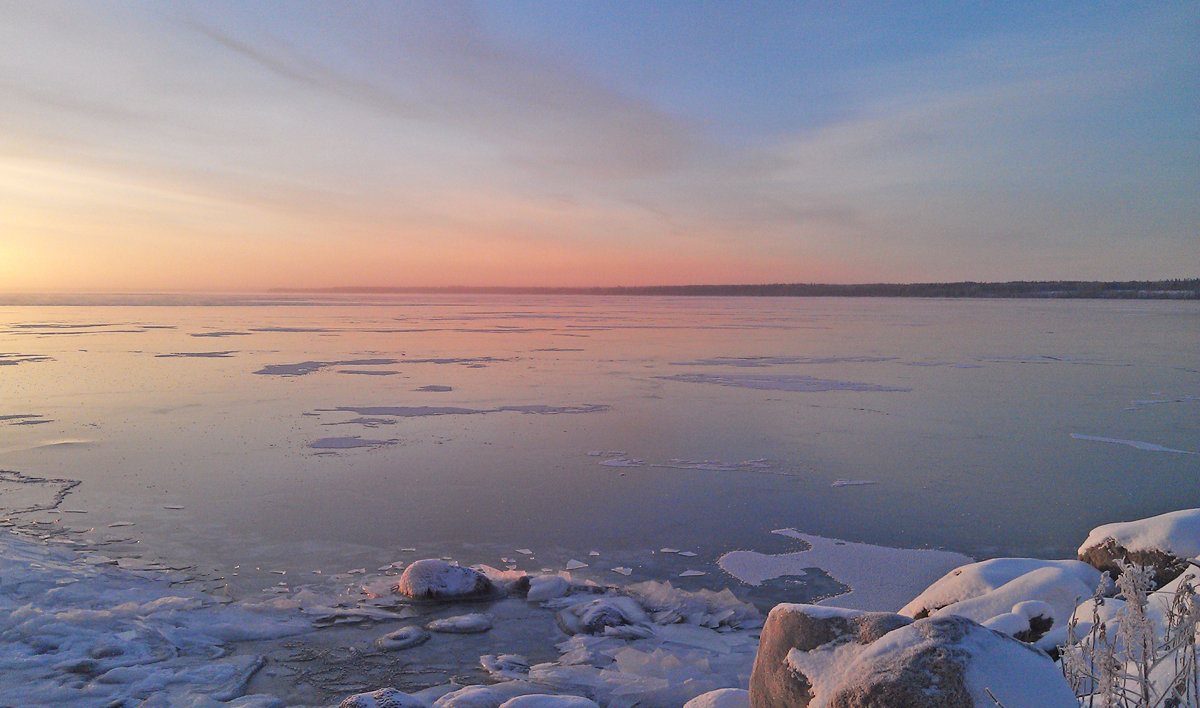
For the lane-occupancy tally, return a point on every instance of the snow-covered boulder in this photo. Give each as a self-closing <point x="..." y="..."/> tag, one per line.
<point x="830" y="635"/>
<point x="721" y="698"/>
<point x="1163" y="542"/>
<point x="383" y="698"/>
<point x="547" y="587"/>
<point x="943" y="662"/>
<point x="434" y="579"/>
<point x="547" y="700"/>
<point x="842" y="659"/>
<point x="1029" y="605"/>
<point x="977" y="579"/>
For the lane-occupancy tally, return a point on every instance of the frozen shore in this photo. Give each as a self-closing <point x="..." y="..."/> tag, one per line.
<point x="81" y="628"/>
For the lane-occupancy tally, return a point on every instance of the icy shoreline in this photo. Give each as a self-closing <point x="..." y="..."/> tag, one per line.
<point x="81" y="628"/>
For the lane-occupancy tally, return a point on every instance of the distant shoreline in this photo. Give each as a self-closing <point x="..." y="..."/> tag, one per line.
<point x="1188" y="289"/>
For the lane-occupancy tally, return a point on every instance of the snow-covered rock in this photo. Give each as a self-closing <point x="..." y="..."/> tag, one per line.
<point x="547" y="587"/>
<point x="819" y="657"/>
<point x="829" y="636"/>
<point x="383" y="698"/>
<point x="1031" y="604"/>
<point x="1163" y="542"/>
<point x="547" y="700"/>
<point x="977" y="579"/>
<point x="462" y="624"/>
<point x="721" y="698"/>
<point x="434" y="579"/>
<point x="403" y="638"/>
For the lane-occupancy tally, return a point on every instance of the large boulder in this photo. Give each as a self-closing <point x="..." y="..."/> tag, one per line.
<point x="433" y="579"/>
<point x="822" y="631"/>
<point x="1163" y="543"/>
<point x="820" y="657"/>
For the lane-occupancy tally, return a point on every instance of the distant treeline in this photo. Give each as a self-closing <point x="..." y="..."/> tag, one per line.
<point x="1188" y="289"/>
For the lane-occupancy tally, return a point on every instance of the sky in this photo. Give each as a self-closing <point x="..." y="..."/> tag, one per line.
<point x="212" y="145"/>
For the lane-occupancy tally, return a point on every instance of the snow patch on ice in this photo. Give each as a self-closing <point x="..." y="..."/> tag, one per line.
<point x="855" y="565"/>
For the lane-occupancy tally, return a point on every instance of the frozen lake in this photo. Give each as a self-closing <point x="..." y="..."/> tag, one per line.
<point x="259" y="442"/>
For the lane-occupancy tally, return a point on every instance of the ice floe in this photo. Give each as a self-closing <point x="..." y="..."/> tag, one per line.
<point x="763" y="361"/>
<point x="307" y="367"/>
<point x="197" y="355"/>
<point x="855" y="565"/>
<point x="783" y="382"/>
<point x="852" y="483"/>
<point x="471" y="623"/>
<point x="11" y="359"/>
<point x="425" y="411"/>
<point x="349" y="442"/>
<point x="1136" y="444"/>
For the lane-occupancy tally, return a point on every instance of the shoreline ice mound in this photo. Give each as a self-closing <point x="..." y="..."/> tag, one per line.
<point x="1163" y="542"/>
<point x="1023" y="597"/>
<point x="651" y="644"/>
<point x="83" y="634"/>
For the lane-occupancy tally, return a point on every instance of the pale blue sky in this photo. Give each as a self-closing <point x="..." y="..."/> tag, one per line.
<point x="573" y="143"/>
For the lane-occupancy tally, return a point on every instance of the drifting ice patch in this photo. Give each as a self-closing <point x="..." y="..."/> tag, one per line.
<point x="14" y="359"/>
<point x="307" y="367"/>
<point x="24" y="419"/>
<point x="197" y="355"/>
<point x="799" y="383"/>
<point x="763" y="361"/>
<point x="1136" y="444"/>
<point x="855" y="565"/>
<point x="348" y="442"/>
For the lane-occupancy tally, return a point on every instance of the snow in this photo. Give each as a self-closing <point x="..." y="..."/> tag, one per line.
<point x="975" y="580"/>
<point x="1176" y="533"/>
<point x="1053" y="588"/>
<point x="856" y="565"/>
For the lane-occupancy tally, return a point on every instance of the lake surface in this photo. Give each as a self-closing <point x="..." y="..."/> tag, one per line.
<point x="296" y="434"/>
<point x="302" y="450"/>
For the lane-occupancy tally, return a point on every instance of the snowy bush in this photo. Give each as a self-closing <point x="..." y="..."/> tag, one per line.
<point x="1137" y="650"/>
